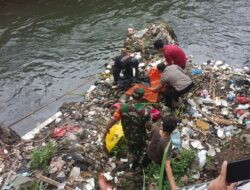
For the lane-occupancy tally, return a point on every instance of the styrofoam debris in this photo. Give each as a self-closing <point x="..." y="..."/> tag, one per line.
<point x="58" y="120"/>
<point x="220" y="133"/>
<point x="243" y="107"/>
<point x="197" y="144"/>
<point x="185" y="144"/>
<point x="108" y="176"/>
<point x="109" y="67"/>
<point x="186" y="131"/>
<point x="217" y="150"/>
<point x="196" y="176"/>
<point x="202" y="158"/>
<point x="124" y="160"/>
<point x="91" y="88"/>
<point x="91" y="184"/>
<point x="92" y="112"/>
<point x="120" y="173"/>
<point x="107" y="71"/>
<point x="224" y="111"/>
<point x="142" y="65"/>
<point x="211" y="151"/>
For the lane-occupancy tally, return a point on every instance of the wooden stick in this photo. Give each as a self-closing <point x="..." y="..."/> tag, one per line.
<point x="211" y="83"/>
<point x="50" y="181"/>
<point x="214" y="94"/>
<point x="204" y="114"/>
<point x="11" y="171"/>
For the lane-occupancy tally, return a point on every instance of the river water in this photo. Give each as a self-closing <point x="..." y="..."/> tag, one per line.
<point x="48" y="47"/>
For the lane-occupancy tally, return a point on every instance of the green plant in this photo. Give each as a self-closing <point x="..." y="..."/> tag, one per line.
<point x="152" y="172"/>
<point x="181" y="163"/>
<point x="35" y="185"/>
<point x="40" y="158"/>
<point x="209" y="159"/>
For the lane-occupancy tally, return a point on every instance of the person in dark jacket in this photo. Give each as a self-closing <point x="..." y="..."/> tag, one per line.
<point x="125" y="64"/>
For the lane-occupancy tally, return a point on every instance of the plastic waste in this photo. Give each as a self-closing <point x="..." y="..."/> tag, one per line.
<point x="203" y="93"/>
<point x="74" y="174"/>
<point x="114" y="135"/>
<point x="91" y="88"/>
<point x="141" y="33"/>
<point x="108" y="176"/>
<point x="117" y="105"/>
<point x="219" y="102"/>
<point x="131" y="30"/>
<point x="155" y="114"/>
<point x="202" y="125"/>
<point x="138" y="56"/>
<point x="141" y="65"/>
<point x="197" y="144"/>
<point x="191" y="102"/>
<point x="91" y="184"/>
<point x="242" y="99"/>
<point x="224" y="111"/>
<point x="196" y="176"/>
<point x="61" y="131"/>
<point x="239" y="112"/>
<point x="196" y="72"/>
<point x="186" y="131"/>
<point x="243" y="107"/>
<point x="220" y="134"/>
<point x="231" y="96"/>
<point x="211" y="151"/>
<point x="185" y="144"/>
<point x="218" y="63"/>
<point x="56" y="165"/>
<point x="61" y="177"/>
<point x="176" y="139"/>
<point x="202" y="158"/>
<point x="207" y="101"/>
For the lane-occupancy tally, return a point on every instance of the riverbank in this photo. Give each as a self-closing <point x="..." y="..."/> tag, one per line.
<point x="214" y="123"/>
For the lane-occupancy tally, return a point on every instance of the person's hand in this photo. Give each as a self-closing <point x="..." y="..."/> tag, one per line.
<point x="174" y="188"/>
<point x="220" y="182"/>
<point x="154" y="89"/>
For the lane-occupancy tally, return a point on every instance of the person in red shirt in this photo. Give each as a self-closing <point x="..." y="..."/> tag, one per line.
<point x="172" y="53"/>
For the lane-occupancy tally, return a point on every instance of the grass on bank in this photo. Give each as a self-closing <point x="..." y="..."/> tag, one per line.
<point x="40" y="158"/>
<point x="180" y="165"/>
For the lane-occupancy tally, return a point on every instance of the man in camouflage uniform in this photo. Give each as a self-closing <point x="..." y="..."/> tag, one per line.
<point x="135" y="118"/>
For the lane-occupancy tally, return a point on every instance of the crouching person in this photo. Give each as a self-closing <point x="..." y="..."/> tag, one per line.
<point x="125" y="64"/>
<point x="177" y="81"/>
<point x="160" y="137"/>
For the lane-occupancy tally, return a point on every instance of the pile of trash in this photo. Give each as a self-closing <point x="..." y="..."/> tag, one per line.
<point x="214" y="122"/>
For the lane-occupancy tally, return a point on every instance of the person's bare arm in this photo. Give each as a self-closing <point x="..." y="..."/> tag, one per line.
<point x="170" y="175"/>
<point x="156" y="89"/>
